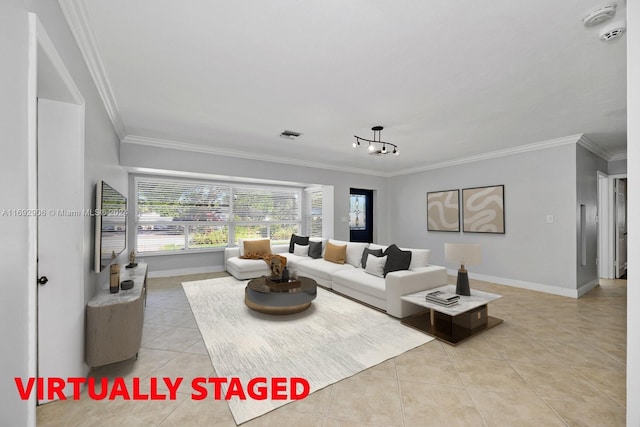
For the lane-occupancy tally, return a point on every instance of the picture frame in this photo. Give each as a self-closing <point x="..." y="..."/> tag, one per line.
<point x="483" y="210"/>
<point x="443" y="211"/>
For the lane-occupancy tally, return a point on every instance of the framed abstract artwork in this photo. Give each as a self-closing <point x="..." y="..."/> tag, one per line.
<point x="443" y="211"/>
<point x="483" y="209"/>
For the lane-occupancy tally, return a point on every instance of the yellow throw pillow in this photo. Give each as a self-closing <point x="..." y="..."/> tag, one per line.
<point x="335" y="253"/>
<point x="258" y="247"/>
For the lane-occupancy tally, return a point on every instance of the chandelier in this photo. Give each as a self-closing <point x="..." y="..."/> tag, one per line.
<point x="375" y="145"/>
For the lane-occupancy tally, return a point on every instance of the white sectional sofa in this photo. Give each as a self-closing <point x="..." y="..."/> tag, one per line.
<point x="350" y="279"/>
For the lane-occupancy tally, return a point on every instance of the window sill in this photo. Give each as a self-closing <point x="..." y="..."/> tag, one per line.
<point x="184" y="252"/>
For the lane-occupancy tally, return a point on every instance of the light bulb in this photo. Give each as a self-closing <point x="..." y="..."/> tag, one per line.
<point x="355" y="144"/>
<point x="371" y="147"/>
<point x="384" y="149"/>
<point x="396" y="152"/>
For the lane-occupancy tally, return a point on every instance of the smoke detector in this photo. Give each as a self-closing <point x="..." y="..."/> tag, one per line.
<point x="612" y="31"/>
<point x="599" y="14"/>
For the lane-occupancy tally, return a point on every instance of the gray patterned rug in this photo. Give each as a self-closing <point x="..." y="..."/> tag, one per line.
<point x="332" y="340"/>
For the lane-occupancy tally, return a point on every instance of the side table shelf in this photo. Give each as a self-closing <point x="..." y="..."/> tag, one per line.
<point x="113" y="328"/>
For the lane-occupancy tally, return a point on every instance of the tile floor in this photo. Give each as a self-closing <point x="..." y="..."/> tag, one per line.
<point x="554" y="361"/>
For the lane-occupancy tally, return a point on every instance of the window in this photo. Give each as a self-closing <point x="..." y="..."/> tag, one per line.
<point x="313" y="212"/>
<point x="179" y="216"/>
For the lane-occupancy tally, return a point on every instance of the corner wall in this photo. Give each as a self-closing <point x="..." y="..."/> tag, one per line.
<point x="532" y="253"/>
<point x="101" y="161"/>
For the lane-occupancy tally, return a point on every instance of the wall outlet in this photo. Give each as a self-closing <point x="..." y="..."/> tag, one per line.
<point x="549" y="219"/>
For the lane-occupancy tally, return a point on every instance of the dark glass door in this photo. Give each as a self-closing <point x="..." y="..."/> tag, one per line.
<point x="361" y="215"/>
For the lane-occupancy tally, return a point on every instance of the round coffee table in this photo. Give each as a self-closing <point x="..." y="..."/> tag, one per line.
<point x="259" y="296"/>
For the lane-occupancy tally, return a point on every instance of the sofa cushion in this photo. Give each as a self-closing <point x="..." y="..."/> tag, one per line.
<point x="365" y="255"/>
<point x="419" y="257"/>
<point x="397" y="259"/>
<point x="375" y="265"/>
<point x="301" y="240"/>
<point x="257" y="247"/>
<point x="335" y="253"/>
<point x="321" y="270"/>
<point x="301" y="250"/>
<point x="354" y="251"/>
<point x="360" y="281"/>
<point x="376" y="246"/>
<point x="315" y="249"/>
<point x="247" y="265"/>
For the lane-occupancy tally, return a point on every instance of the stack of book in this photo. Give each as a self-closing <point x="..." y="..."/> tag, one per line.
<point x="442" y="298"/>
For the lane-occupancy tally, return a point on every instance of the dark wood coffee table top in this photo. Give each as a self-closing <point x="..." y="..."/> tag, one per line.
<point x="261" y="284"/>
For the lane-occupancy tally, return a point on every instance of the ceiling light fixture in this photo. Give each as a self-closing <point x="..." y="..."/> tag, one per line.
<point x="372" y="143"/>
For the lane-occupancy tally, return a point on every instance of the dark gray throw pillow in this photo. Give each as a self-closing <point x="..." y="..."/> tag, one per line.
<point x="299" y="240"/>
<point x="397" y="259"/>
<point x="315" y="249"/>
<point x="365" y="255"/>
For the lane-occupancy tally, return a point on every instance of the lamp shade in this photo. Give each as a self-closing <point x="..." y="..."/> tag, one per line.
<point x="463" y="253"/>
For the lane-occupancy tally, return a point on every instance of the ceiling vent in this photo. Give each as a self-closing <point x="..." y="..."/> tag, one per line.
<point x="289" y="134"/>
<point x="612" y="32"/>
<point x="599" y="14"/>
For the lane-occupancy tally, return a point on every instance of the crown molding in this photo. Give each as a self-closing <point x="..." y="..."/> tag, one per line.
<point x="594" y="148"/>
<point x="184" y="146"/>
<point x="543" y="145"/>
<point x="75" y="12"/>
<point x="619" y="156"/>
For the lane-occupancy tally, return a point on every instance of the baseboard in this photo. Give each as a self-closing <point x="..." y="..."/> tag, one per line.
<point x="587" y="287"/>
<point x="185" y="271"/>
<point x="532" y="286"/>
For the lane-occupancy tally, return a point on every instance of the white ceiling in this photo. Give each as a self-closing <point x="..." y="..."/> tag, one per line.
<point x="446" y="79"/>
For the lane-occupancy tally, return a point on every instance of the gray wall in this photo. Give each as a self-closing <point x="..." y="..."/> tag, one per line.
<point x="587" y="167"/>
<point x="616" y="167"/>
<point x="164" y="159"/>
<point x="537" y="184"/>
<point x="101" y="161"/>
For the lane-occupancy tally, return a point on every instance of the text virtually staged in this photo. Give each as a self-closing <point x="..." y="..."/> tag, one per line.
<point x="165" y="388"/>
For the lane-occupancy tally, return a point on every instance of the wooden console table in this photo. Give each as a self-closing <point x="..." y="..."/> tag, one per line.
<point x="113" y="330"/>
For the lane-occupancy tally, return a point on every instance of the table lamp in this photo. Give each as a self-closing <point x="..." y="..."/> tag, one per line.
<point x="462" y="253"/>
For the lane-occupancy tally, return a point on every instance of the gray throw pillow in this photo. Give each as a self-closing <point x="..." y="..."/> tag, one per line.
<point x="397" y="259"/>
<point x="315" y="249"/>
<point x="365" y="254"/>
<point x="301" y="240"/>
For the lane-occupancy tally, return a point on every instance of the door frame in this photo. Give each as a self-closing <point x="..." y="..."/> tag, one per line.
<point x="40" y="49"/>
<point x="369" y="212"/>
<point x="606" y="224"/>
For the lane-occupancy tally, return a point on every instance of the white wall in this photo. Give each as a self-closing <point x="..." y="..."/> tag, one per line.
<point x="101" y="161"/>
<point x="137" y="156"/>
<point x="587" y="167"/>
<point x="13" y="188"/>
<point x="633" y="206"/>
<point x="532" y="253"/>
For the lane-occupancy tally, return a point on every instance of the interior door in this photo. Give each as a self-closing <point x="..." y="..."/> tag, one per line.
<point x="361" y="215"/>
<point x="60" y="299"/>
<point x="621" y="227"/>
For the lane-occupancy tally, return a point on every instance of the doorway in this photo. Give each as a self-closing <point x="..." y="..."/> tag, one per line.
<point x="361" y="215"/>
<point x="56" y="190"/>
<point x="612" y="226"/>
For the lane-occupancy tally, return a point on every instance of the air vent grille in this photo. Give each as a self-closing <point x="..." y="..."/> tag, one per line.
<point x="289" y="134"/>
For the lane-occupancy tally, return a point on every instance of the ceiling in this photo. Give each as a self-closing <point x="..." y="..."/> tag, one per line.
<point x="447" y="80"/>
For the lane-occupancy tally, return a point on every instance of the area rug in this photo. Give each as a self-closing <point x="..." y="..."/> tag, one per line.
<point x="332" y="340"/>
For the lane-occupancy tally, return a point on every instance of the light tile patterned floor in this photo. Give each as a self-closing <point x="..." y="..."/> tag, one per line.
<point x="554" y="361"/>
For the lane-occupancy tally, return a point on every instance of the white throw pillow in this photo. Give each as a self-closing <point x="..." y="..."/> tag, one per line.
<point x="419" y="257"/>
<point x="300" y="250"/>
<point x="375" y="265"/>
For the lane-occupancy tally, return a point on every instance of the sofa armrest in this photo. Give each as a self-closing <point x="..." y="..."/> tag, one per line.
<point x="400" y="283"/>
<point x="230" y="253"/>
